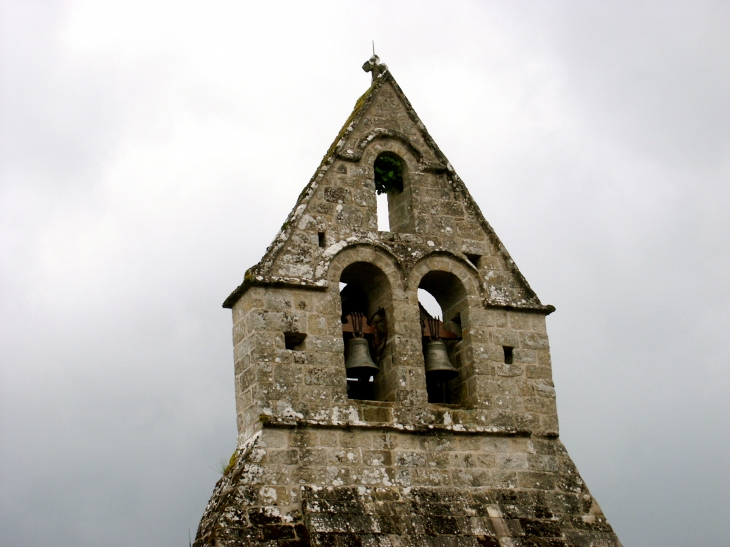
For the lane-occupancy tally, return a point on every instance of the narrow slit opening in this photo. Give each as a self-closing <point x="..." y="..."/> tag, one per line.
<point x="508" y="354"/>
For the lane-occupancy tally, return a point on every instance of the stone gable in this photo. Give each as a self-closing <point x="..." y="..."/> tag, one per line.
<point x="340" y="204"/>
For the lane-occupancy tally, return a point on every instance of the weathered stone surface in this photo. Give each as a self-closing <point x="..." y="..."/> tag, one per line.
<point x="453" y="488"/>
<point x="391" y="469"/>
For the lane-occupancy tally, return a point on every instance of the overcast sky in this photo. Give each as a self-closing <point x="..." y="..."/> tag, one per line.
<point x="150" y="150"/>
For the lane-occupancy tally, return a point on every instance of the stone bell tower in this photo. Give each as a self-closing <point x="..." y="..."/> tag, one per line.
<point x="363" y="420"/>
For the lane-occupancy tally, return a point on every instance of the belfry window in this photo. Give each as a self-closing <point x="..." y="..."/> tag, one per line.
<point x="365" y="297"/>
<point x="393" y="196"/>
<point x="388" y="172"/>
<point x="442" y="301"/>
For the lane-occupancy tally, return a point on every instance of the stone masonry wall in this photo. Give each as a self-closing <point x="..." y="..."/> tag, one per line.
<point x="303" y="485"/>
<point x="310" y="383"/>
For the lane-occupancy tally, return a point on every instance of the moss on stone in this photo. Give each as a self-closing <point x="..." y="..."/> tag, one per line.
<point x="231" y="463"/>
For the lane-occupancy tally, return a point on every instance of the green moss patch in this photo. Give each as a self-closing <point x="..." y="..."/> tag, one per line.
<point x="388" y="173"/>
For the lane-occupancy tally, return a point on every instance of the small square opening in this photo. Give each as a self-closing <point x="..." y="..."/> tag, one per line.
<point x="508" y="354"/>
<point x="474" y="259"/>
<point x="294" y="340"/>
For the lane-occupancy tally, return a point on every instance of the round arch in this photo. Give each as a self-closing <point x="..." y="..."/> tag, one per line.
<point x="364" y="252"/>
<point x="446" y="262"/>
<point x="388" y="138"/>
<point x="400" y="203"/>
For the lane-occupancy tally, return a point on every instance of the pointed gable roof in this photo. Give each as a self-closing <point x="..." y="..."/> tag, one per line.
<point x="349" y="146"/>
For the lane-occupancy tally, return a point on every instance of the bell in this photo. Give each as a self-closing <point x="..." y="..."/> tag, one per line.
<point x="438" y="366"/>
<point x="358" y="363"/>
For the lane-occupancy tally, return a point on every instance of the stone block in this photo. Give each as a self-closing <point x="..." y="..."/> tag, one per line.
<point x="549" y="424"/>
<point x="409" y="458"/>
<point x="285" y="456"/>
<point x="377" y="414"/>
<point x="509" y="371"/>
<point x="520" y="321"/>
<point x="315" y="394"/>
<point x="545" y="464"/>
<point x="504" y="337"/>
<point x="348" y="457"/>
<point x="321" y="376"/>
<point x="541" y="405"/>
<point x="438" y="443"/>
<point x="351" y="439"/>
<point x="317" y="324"/>
<point x="539" y="372"/>
<point x="273" y="438"/>
<point x="470" y="477"/>
<point x="524" y="356"/>
<point x="512" y="462"/>
<point x="530" y="479"/>
<point x="288" y="374"/>
<point x="278" y="300"/>
<point x="336" y="195"/>
<point x="431" y="477"/>
<point x="534" y="340"/>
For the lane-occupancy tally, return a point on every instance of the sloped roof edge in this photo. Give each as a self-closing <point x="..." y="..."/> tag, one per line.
<point x="462" y="188"/>
<point x="305" y="195"/>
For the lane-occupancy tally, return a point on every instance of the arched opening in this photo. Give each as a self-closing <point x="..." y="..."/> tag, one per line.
<point x="443" y="346"/>
<point x="388" y="171"/>
<point x="393" y="194"/>
<point x="365" y="296"/>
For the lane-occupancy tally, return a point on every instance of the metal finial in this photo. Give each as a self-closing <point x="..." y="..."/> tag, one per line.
<point x="373" y="48"/>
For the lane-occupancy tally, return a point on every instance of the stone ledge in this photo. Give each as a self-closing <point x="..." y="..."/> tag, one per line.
<point x="459" y="429"/>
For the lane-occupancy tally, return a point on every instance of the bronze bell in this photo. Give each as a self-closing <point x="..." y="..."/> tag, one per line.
<point x="358" y="363"/>
<point x="438" y="366"/>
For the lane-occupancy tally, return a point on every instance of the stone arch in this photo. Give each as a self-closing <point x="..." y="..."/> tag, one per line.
<point x="408" y="154"/>
<point x="366" y="252"/>
<point x="389" y="134"/>
<point x="455" y="286"/>
<point x="447" y="262"/>
<point x="373" y="281"/>
<point x="400" y="204"/>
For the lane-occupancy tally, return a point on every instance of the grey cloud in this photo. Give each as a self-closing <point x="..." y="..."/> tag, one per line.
<point x="150" y="154"/>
